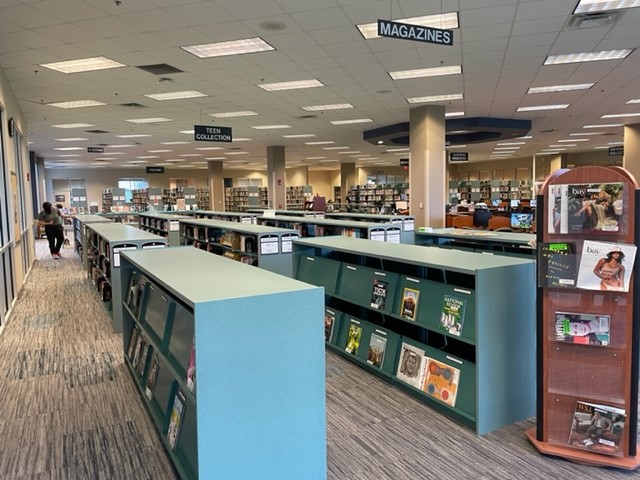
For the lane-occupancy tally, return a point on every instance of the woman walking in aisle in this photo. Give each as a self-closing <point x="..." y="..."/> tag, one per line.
<point x="52" y="221"/>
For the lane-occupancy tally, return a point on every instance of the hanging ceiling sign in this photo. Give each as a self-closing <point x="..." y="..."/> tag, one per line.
<point x="95" y="149"/>
<point x="207" y="133"/>
<point x="416" y="33"/>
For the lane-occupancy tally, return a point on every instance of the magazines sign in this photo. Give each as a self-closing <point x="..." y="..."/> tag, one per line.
<point x="207" y="133"/>
<point x="416" y="33"/>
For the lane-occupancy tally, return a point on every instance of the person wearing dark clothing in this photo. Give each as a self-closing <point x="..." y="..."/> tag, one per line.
<point x="51" y="218"/>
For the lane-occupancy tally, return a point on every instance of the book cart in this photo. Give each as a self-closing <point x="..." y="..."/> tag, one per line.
<point x="229" y="367"/>
<point x="587" y="319"/>
<point x="454" y="329"/>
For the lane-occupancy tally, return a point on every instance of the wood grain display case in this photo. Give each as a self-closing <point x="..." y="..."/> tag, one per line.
<point x="568" y="373"/>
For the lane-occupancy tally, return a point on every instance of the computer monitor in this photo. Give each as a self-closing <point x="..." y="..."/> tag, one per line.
<point x="481" y="217"/>
<point x="522" y="221"/>
<point x="533" y="203"/>
<point x="495" y="202"/>
<point x="515" y="203"/>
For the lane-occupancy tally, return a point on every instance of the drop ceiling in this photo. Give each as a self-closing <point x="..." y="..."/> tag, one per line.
<point x="501" y="46"/>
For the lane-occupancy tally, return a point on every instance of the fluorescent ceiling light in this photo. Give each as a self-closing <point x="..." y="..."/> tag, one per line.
<point x="504" y="144"/>
<point x="601" y="148"/>
<point x="561" y="88"/>
<point x="335" y="148"/>
<point x="574" y="140"/>
<point x="83" y="65"/>
<point x="209" y="148"/>
<point x="349" y="152"/>
<point x="610" y="125"/>
<point x="426" y="72"/>
<point x="349" y="122"/>
<point x="592" y="6"/>
<point x="271" y="87"/>
<point x="327" y="161"/>
<point x="237" y="153"/>
<point x="454" y="114"/>
<point x="175" y="160"/>
<point x="586" y="133"/>
<point x="635" y="100"/>
<point x="436" y="98"/>
<point x="334" y="106"/>
<point x="160" y="151"/>
<point x="122" y="146"/>
<point x="456" y="146"/>
<point x="587" y="56"/>
<point x="65" y="149"/>
<point x="190" y="155"/>
<point x="621" y="115"/>
<point x="186" y="132"/>
<point x="524" y="137"/>
<point x="398" y="149"/>
<point x="615" y="143"/>
<point x="244" y="113"/>
<point x="445" y="21"/>
<point x="71" y="139"/>
<point x="68" y="155"/>
<point x="325" y="142"/>
<point x="549" y="152"/>
<point x="302" y="135"/>
<point x="77" y="104"/>
<point x="316" y="158"/>
<point x="241" y="140"/>
<point x="233" y="47"/>
<point x="535" y="108"/>
<point x="177" y="95"/>
<point x="269" y="127"/>
<point x="134" y="135"/>
<point x="74" y="125"/>
<point x="147" y="156"/>
<point x="564" y="145"/>
<point x="149" y="120"/>
<point x="215" y="158"/>
<point x="507" y="148"/>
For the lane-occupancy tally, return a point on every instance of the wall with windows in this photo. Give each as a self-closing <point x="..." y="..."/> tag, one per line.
<point x="17" y="247"/>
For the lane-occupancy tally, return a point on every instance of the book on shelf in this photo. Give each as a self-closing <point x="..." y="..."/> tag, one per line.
<point x="140" y="343"/>
<point x="329" y="324"/>
<point x="558" y="264"/>
<point x="409" y="307"/>
<point x="585" y="208"/>
<point x="379" y="293"/>
<point x="606" y="266"/>
<point x="152" y="377"/>
<point x="441" y="381"/>
<point x="176" y="419"/>
<point x="452" y="315"/>
<point x="583" y="328"/>
<point x="191" y="368"/>
<point x="353" y="339"/>
<point x="133" y="341"/>
<point x="411" y="365"/>
<point x="377" y="348"/>
<point x="597" y="428"/>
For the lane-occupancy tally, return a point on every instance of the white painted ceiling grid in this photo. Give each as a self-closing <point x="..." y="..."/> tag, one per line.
<point x="501" y="46"/>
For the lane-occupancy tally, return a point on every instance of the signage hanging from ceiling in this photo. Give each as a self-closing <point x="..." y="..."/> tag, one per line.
<point x="416" y="33"/>
<point x="404" y="162"/>
<point x="155" y="169"/>
<point x="617" y="151"/>
<point x="95" y="149"/>
<point x="458" y="157"/>
<point x="208" y="133"/>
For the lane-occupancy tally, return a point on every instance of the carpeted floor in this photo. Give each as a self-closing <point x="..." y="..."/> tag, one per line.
<point x="70" y="409"/>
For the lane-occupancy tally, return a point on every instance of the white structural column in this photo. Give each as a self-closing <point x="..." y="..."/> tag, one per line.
<point x="556" y="162"/>
<point x="631" y="157"/>
<point x="348" y="178"/>
<point x="427" y="167"/>
<point x="276" y="176"/>
<point x="216" y="186"/>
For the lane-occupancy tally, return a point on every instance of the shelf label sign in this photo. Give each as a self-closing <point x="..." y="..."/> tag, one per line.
<point x="617" y="151"/>
<point x="208" y="133"/>
<point x="416" y="33"/>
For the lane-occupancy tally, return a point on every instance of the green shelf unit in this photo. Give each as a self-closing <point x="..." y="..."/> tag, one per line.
<point x="264" y="212"/>
<point x="265" y="247"/>
<point x="320" y="227"/>
<point x="491" y="346"/>
<point x="482" y="241"/>
<point x="406" y="222"/>
<point x="252" y="347"/>
<point x="246" y="218"/>
<point x="163" y="224"/>
<point x="105" y="242"/>
<point x="80" y="236"/>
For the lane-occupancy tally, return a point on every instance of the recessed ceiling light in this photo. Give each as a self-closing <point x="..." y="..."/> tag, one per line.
<point x="436" y="98"/>
<point x="574" y="140"/>
<point x="71" y="139"/>
<point x="444" y="21"/>
<point x="271" y="87"/>
<point x="335" y="148"/>
<point x="535" y="108"/>
<point x="503" y="144"/>
<point x="83" y="65"/>
<point x="244" y="113"/>
<point x="561" y="88"/>
<point x="334" y="106"/>
<point x="352" y="121"/>
<point x="587" y="56"/>
<point x="269" y="127"/>
<point x="77" y="104"/>
<point x="122" y="146"/>
<point x="507" y="148"/>
<point x="237" y="153"/>
<point x="241" y="140"/>
<point x="174" y="143"/>
<point x="302" y="135"/>
<point x="149" y="120"/>
<point x="564" y="145"/>
<point x="426" y="72"/>
<point x="592" y="6"/>
<point x="635" y="100"/>
<point x="63" y="149"/>
<point x="176" y="95"/>
<point x="349" y="152"/>
<point x="454" y="114"/>
<point x="316" y="158"/>
<point x="325" y="142"/>
<point x="621" y="115"/>
<point x="147" y="156"/>
<point x="134" y="135"/>
<point x="610" y="125"/>
<point x="215" y="158"/>
<point x="209" y="148"/>
<point x="186" y="132"/>
<point x="233" y="47"/>
<point x="74" y="125"/>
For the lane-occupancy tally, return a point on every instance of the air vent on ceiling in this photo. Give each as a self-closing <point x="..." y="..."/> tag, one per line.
<point x="595" y="19"/>
<point x="96" y="131"/>
<point x="306" y="117"/>
<point x="132" y="105"/>
<point x="159" y="69"/>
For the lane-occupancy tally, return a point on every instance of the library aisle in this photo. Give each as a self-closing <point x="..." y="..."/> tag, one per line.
<point x="70" y="410"/>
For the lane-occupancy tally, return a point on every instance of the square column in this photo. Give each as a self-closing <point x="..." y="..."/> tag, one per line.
<point x="276" y="177"/>
<point x="216" y="186"/>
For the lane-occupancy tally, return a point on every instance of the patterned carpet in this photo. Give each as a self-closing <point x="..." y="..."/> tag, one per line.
<point x="70" y="409"/>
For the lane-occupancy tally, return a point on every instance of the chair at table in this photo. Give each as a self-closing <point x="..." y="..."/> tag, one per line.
<point x="499" y="222"/>
<point x="462" y="221"/>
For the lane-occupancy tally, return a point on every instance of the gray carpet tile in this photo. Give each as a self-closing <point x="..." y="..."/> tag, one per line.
<point x="70" y="410"/>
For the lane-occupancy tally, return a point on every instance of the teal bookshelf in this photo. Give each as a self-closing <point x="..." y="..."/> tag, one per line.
<point x="163" y="224"/>
<point x="481" y="241"/>
<point x="79" y="233"/>
<point x="468" y="317"/>
<point x="105" y="242"/>
<point x="256" y="408"/>
<point x="246" y="218"/>
<point x="407" y="223"/>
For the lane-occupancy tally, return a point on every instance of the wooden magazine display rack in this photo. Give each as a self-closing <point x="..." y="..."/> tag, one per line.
<point x="588" y="331"/>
